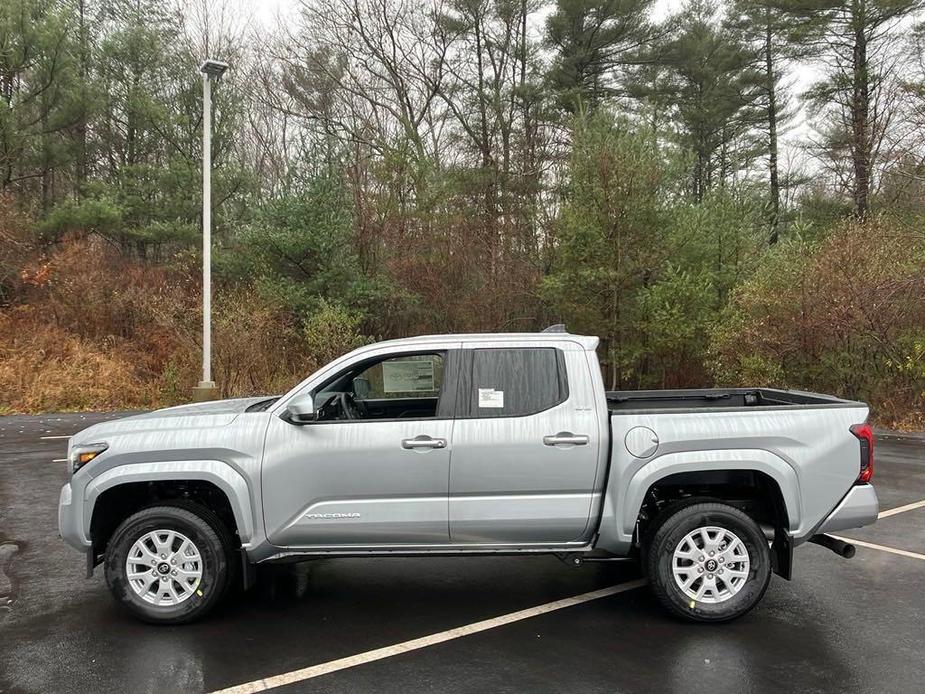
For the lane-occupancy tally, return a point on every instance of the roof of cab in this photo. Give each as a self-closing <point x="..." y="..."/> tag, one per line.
<point x="588" y="342"/>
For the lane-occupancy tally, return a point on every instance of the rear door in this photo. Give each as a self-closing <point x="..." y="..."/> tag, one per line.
<point x="526" y="446"/>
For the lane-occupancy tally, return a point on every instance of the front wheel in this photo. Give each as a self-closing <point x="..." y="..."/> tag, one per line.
<point x="167" y="564"/>
<point x="708" y="562"/>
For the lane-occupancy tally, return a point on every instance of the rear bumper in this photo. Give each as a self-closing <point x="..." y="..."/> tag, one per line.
<point x="859" y="507"/>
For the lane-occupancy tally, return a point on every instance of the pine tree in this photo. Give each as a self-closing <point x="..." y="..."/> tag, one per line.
<point x="592" y="38"/>
<point x="854" y="37"/>
<point x="135" y="144"/>
<point x="774" y="40"/>
<point x="38" y="99"/>
<point x="710" y="89"/>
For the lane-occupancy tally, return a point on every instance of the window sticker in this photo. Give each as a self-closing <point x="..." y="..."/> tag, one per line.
<point x="408" y="376"/>
<point x="489" y="397"/>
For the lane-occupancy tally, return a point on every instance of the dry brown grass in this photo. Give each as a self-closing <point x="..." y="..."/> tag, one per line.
<point x="46" y="368"/>
<point x="94" y="330"/>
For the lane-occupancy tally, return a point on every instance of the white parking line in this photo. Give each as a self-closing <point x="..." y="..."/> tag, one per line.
<point x="49" y="438"/>
<point x="901" y="509"/>
<point x="425" y="641"/>
<point x="882" y="548"/>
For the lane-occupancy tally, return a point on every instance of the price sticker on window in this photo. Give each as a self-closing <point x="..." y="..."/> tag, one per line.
<point x="408" y="376"/>
<point x="489" y="397"/>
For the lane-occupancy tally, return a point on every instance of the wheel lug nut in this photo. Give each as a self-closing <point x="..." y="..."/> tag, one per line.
<point x="173" y="573"/>
<point x="721" y="560"/>
<point x="701" y="558"/>
<point x="709" y="575"/>
<point x="163" y="556"/>
<point x="712" y="553"/>
<point x="720" y="571"/>
<point x="700" y="570"/>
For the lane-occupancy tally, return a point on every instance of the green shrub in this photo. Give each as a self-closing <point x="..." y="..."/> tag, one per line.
<point x="842" y="314"/>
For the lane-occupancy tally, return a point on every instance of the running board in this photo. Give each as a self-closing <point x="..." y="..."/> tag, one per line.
<point x="576" y="559"/>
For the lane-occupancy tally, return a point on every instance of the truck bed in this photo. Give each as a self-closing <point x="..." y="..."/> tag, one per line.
<point x="801" y="443"/>
<point x="651" y="401"/>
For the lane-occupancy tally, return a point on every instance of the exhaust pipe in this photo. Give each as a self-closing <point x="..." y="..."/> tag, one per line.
<point x="842" y="549"/>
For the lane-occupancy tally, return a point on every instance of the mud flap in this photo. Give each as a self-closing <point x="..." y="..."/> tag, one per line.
<point x="248" y="572"/>
<point x="782" y="554"/>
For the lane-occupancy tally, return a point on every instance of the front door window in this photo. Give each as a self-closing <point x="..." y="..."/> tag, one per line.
<point x="407" y="386"/>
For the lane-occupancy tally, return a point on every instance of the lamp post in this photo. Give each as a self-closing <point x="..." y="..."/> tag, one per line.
<point x="211" y="70"/>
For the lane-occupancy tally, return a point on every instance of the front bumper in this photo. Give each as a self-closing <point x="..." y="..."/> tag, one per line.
<point x="859" y="507"/>
<point x="70" y="520"/>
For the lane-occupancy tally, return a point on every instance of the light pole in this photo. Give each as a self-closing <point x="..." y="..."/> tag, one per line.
<point x="211" y="70"/>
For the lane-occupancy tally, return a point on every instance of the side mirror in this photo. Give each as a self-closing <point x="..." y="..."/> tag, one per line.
<point x="301" y="409"/>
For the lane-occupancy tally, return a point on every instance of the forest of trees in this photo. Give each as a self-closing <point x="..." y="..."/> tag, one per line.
<point x="726" y="192"/>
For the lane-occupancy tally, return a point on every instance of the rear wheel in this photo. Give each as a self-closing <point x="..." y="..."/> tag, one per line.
<point x="708" y="562"/>
<point x="168" y="564"/>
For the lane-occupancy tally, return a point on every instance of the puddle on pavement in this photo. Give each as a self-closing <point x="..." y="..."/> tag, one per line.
<point x="7" y="587"/>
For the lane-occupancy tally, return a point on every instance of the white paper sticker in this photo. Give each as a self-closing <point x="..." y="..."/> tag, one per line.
<point x="489" y="397"/>
<point x="408" y="376"/>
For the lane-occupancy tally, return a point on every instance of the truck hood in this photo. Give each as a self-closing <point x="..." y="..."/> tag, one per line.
<point x="215" y="413"/>
<point x="213" y="407"/>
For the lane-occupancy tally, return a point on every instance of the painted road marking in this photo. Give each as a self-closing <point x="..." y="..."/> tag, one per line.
<point x="59" y="460"/>
<point x="49" y="438"/>
<point x="901" y="509"/>
<point x="882" y="548"/>
<point x="425" y="641"/>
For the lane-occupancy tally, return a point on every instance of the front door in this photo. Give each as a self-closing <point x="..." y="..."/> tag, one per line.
<point x="373" y="470"/>
<point x="526" y="447"/>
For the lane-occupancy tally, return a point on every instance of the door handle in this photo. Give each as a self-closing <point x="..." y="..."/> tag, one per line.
<point x="423" y="442"/>
<point x="566" y="438"/>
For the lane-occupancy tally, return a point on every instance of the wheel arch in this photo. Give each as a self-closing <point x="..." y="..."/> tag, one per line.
<point x="201" y="476"/>
<point x="780" y="477"/>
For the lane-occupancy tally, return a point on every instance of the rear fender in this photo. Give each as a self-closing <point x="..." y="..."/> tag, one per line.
<point x="621" y="510"/>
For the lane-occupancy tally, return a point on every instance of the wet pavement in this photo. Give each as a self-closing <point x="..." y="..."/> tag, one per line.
<point x="855" y="625"/>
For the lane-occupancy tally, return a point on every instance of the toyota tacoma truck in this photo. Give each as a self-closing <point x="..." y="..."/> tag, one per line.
<point x="469" y="445"/>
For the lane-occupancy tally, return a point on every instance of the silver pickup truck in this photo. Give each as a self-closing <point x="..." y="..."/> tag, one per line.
<point x="469" y="444"/>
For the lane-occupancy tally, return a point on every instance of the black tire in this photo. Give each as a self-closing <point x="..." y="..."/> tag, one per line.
<point x="673" y="528"/>
<point x="212" y="540"/>
<point x="229" y="542"/>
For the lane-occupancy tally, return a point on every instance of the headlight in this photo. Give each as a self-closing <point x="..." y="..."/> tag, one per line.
<point x="81" y="455"/>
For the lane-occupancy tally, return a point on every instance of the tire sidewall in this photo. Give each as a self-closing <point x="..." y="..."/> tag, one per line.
<point x="680" y="525"/>
<point x="214" y="565"/>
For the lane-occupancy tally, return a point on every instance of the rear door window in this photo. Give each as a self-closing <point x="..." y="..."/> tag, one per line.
<point x="516" y="382"/>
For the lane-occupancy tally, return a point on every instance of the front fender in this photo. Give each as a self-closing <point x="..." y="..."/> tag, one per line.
<point x="222" y="475"/>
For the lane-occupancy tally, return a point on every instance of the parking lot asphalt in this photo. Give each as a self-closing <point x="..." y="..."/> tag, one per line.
<point x="840" y="626"/>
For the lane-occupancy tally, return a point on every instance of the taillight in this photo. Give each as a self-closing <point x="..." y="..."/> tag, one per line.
<point x="866" y="436"/>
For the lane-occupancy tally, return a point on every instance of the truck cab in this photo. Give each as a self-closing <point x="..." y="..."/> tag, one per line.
<point x="518" y="419"/>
